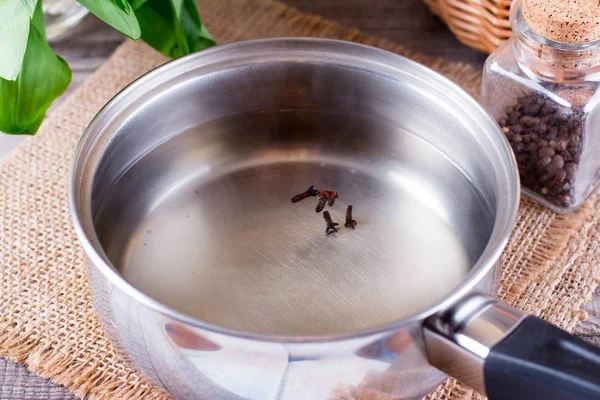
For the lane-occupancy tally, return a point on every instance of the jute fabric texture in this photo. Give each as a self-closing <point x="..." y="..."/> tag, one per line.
<point x="47" y="321"/>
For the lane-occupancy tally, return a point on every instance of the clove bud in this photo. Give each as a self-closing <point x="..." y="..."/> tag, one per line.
<point x="310" y="192"/>
<point x="331" y="226"/>
<point x="350" y="223"/>
<point x="326" y="197"/>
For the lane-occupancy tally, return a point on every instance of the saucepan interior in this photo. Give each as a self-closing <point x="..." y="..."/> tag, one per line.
<point x="183" y="183"/>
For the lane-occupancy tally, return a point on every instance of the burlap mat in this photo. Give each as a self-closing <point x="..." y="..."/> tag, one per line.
<point x="46" y="318"/>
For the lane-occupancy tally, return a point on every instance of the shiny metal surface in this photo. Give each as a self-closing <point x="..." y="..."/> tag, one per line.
<point x="208" y="279"/>
<point x="459" y="340"/>
<point x="264" y="264"/>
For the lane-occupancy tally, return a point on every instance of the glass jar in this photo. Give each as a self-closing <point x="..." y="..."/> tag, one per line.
<point x="60" y="16"/>
<point x="544" y="94"/>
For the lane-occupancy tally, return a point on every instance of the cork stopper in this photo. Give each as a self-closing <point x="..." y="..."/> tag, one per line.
<point x="567" y="21"/>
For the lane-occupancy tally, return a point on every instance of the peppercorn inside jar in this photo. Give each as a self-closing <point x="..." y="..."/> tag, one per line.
<point x="543" y="93"/>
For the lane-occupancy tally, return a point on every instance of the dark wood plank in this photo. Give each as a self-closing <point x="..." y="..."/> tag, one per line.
<point x="408" y="22"/>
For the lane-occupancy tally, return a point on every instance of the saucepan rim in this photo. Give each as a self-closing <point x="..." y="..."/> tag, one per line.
<point x="370" y="58"/>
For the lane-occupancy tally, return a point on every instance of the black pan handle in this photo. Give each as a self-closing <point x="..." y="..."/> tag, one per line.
<point x="539" y="361"/>
<point x="507" y="355"/>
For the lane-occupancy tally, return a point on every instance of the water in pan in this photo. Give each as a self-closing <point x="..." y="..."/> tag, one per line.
<point x="204" y="224"/>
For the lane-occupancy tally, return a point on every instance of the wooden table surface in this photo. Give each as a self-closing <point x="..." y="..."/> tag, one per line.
<point x="403" y="21"/>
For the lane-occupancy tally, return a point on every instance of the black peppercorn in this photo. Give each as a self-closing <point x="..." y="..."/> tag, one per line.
<point x="546" y="138"/>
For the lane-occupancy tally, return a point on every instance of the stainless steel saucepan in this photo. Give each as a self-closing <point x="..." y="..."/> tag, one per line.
<point x="212" y="282"/>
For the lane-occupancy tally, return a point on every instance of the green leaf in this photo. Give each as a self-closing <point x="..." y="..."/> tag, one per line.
<point x="196" y="34"/>
<point x="135" y="4"/>
<point x="43" y="77"/>
<point x="14" y="29"/>
<point x="116" y="13"/>
<point x="122" y="4"/>
<point x="30" y="5"/>
<point x="37" y="20"/>
<point x="172" y="27"/>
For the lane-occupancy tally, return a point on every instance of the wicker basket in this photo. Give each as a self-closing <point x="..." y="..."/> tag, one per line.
<point x="480" y="24"/>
